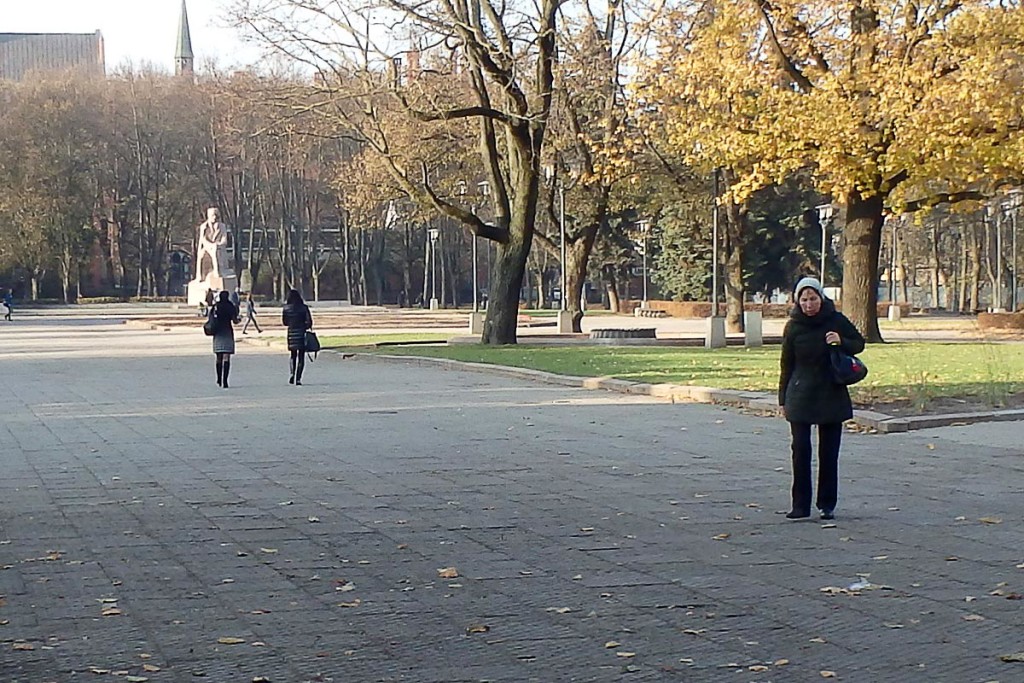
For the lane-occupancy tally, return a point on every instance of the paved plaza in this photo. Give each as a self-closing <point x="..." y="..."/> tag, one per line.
<point x="391" y="522"/>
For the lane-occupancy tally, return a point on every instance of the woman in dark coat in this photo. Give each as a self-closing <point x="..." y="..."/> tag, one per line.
<point x="296" y="317"/>
<point x="810" y="396"/>
<point x="225" y="314"/>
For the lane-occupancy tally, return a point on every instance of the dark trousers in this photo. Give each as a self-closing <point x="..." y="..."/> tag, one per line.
<point x="829" y="438"/>
<point x="251" y="319"/>
<point x="298" y="363"/>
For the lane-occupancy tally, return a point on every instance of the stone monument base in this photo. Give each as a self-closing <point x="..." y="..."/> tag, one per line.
<point x="197" y="288"/>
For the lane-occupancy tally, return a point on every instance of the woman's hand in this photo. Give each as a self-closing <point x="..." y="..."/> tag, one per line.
<point x="833" y="338"/>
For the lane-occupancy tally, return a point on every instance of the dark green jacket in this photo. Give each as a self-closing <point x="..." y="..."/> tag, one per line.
<point x="806" y="389"/>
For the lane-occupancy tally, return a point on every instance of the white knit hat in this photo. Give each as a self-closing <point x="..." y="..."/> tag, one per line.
<point x="812" y="282"/>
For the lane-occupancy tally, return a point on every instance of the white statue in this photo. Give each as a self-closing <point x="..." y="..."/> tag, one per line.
<point x="213" y="245"/>
<point x="214" y="268"/>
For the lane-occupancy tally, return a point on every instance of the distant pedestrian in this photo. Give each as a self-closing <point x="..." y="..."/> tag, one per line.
<point x="810" y="396"/>
<point x="250" y="314"/>
<point x="207" y="303"/>
<point x="296" y="317"/>
<point x="236" y="299"/>
<point x="8" y="304"/>
<point x="225" y="314"/>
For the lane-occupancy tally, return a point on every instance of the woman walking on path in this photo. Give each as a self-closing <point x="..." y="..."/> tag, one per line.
<point x="809" y="395"/>
<point x="296" y="317"/>
<point x="225" y="314"/>
<point x="250" y="314"/>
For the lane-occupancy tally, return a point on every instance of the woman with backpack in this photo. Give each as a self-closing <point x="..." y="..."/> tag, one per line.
<point x="296" y="317"/>
<point x="810" y="396"/>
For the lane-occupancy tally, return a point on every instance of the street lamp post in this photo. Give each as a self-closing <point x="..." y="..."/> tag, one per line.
<point x="484" y="188"/>
<point x="644" y="225"/>
<point x="825" y="212"/>
<point x="715" y="336"/>
<point x="714" y="249"/>
<point x="433" y="234"/>
<point x="997" y="304"/>
<point x="894" y="308"/>
<point x="564" y="319"/>
<point x="1016" y="200"/>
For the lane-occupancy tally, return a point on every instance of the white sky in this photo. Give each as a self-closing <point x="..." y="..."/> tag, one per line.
<point x="136" y="30"/>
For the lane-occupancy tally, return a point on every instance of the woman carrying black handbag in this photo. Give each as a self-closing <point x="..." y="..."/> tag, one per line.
<point x="223" y="316"/>
<point x="296" y="317"/>
<point x="810" y="395"/>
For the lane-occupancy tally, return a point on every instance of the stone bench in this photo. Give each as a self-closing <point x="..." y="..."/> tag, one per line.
<point x="629" y="333"/>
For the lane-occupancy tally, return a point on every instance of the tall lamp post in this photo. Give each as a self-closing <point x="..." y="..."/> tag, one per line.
<point x="644" y="226"/>
<point x="484" y="188"/>
<point x="894" y="308"/>
<point x="1016" y="201"/>
<point x="825" y="213"/>
<point x="564" y="319"/>
<point x="715" y="336"/>
<point x="433" y="234"/>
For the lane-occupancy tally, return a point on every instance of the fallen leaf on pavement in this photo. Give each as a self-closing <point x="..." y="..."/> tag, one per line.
<point x="611" y="643"/>
<point x="230" y="641"/>
<point x="559" y="610"/>
<point x="354" y="603"/>
<point x="1015" y="657"/>
<point x="269" y="551"/>
<point x="720" y="537"/>
<point x="448" y="573"/>
<point x="827" y="674"/>
<point x="625" y="655"/>
<point x="973" y="617"/>
<point x="477" y="628"/>
<point x="24" y="646"/>
<point x="990" y="520"/>
<point x="111" y="612"/>
<point x="759" y="668"/>
<point x="781" y="662"/>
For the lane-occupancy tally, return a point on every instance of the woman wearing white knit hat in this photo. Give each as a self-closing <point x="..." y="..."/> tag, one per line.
<point x="809" y="395"/>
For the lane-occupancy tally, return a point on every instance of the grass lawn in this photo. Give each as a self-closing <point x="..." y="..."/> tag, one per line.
<point x="915" y="373"/>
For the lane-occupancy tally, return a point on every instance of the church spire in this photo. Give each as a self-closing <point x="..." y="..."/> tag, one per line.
<point x="183" y="56"/>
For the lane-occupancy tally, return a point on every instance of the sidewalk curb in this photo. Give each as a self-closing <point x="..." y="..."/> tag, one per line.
<point x="763" y="403"/>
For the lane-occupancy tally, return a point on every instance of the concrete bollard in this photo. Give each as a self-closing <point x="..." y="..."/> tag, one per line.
<point x="714" y="336"/>
<point x="752" y="334"/>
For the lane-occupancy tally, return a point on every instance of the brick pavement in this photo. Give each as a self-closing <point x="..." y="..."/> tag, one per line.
<point x="145" y="514"/>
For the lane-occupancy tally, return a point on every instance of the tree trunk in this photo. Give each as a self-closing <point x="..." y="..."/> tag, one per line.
<point x="735" y="229"/>
<point x="346" y="257"/>
<point x="506" y="284"/>
<point x="407" y="267"/>
<point x="863" y="241"/>
<point x="426" y="272"/>
<point x="363" y="257"/>
<point x="611" y="288"/>
<point x="975" y="272"/>
<point x="962" y="266"/>
<point x="577" y="253"/>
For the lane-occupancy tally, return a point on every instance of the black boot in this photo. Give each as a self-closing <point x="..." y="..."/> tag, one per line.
<point x="291" y="377"/>
<point x="220" y="370"/>
<point x="227" y="369"/>
<point x="299" y="368"/>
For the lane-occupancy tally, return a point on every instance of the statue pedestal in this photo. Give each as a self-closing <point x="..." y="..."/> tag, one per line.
<point x="197" y="288"/>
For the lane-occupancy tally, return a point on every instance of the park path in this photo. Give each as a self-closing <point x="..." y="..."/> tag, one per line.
<point x="154" y="524"/>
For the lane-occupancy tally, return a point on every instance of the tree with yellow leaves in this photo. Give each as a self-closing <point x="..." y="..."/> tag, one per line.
<point x="893" y="105"/>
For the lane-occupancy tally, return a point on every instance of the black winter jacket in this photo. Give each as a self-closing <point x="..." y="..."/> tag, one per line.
<point x="806" y="390"/>
<point x="297" y="318"/>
